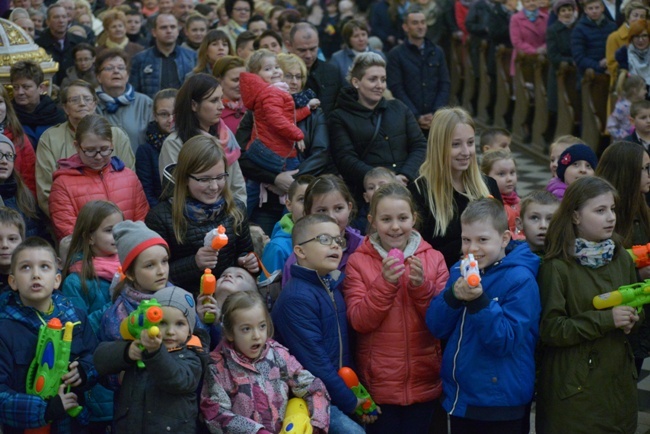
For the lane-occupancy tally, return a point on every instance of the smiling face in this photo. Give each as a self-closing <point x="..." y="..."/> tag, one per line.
<point x="316" y="256"/>
<point x="505" y="174"/>
<point x="271" y="71"/>
<point x="9" y="240"/>
<point x="101" y="240"/>
<point x="230" y="84"/>
<point x="174" y="328"/>
<point x="6" y="166"/>
<point x="250" y="331"/>
<point x="535" y="223"/>
<point x="204" y="191"/>
<point x="293" y="78"/>
<point x="463" y="149"/>
<point x="150" y="270"/>
<point x="34" y="277"/>
<point x="596" y="220"/>
<point x="371" y="87"/>
<point x="481" y="239"/>
<point x="393" y="221"/>
<point x="565" y="14"/>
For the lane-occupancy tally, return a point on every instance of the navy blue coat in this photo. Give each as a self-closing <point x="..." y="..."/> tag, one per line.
<point x="146" y="167"/>
<point x="588" y="42"/>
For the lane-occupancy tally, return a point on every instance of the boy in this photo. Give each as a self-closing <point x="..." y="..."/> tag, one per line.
<point x="640" y="118"/>
<point x="278" y="250"/>
<point x="244" y="44"/>
<point x="32" y="303"/>
<point x="310" y="315"/>
<point x="12" y="233"/>
<point x="589" y="38"/>
<point x="488" y="367"/>
<point x="495" y="138"/>
<point x="372" y="180"/>
<point x="537" y="209"/>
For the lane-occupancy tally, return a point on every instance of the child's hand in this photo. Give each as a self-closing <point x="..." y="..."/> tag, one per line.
<point x="250" y="263"/>
<point x="150" y="344"/>
<point x="644" y="272"/>
<point x="314" y="103"/>
<point x="367" y="418"/>
<point x="625" y="317"/>
<point x="69" y="400"/>
<point x="211" y="306"/>
<point x="300" y="144"/>
<point x="135" y="352"/>
<point x="462" y="290"/>
<point x="206" y="257"/>
<point x="73" y="377"/>
<point x="416" y="274"/>
<point x="391" y="269"/>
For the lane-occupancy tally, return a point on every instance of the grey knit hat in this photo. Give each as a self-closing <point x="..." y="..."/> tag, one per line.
<point x="132" y="238"/>
<point x="5" y="139"/>
<point x="560" y="3"/>
<point x="182" y="300"/>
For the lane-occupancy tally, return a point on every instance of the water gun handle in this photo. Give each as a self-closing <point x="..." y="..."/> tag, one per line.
<point x="469" y="270"/>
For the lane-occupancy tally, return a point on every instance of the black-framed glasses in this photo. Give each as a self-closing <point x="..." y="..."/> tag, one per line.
<point x="9" y="156"/>
<point x="91" y="153"/>
<point x="291" y="77"/>
<point x="327" y="240"/>
<point x="207" y="181"/>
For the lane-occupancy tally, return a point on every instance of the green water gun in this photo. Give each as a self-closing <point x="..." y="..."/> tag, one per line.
<point x="146" y="317"/>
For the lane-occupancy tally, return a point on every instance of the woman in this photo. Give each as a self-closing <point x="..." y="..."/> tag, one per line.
<point x="196" y="27"/>
<point x="227" y="70"/>
<point x="239" y="12"/>
<point x="367" y="130"/>
<point x="82" y="7"/>
<point x="355" y="35"/>
<point x="635" y="58"/>
<point x="118" y="102"/>
<point x="198" y="110"/>
<point x="448" y="180"/>
<point x="83" y="68"/>
<point x="270" y="40"/>
<point x="78" y="101"/>
<point x="634" y="11"/>
<point x="315" y="159"/>
<point x="115" y="26"/>
<point x="215" y="45"/>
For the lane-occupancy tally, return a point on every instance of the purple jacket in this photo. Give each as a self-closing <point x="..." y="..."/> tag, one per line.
<point x="556" y="187"/>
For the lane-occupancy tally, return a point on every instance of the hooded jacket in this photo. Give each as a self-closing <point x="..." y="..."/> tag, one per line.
<point x="278" y="250"/>
<point x="74" y="184"/>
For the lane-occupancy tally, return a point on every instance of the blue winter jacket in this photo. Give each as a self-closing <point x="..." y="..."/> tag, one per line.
<point x="310" y="319"/>
<point x="19" y="327"/>
<point x="278" y="250"/>
<point x="146" y="68"/>
<point x="488" y="367"/>
<point x="588" y="41"/>
<point x="146" y="167"/>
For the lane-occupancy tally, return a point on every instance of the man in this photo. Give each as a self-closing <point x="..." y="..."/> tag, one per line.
<point x="165" y="64"/>
<point x="57" y="42"/>
<point x="417" y="71"/>
<point x="181" y="10"/>
<point x="324" y="79"/>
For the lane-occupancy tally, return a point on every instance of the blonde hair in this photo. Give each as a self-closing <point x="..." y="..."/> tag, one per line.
<point x="254" y="63"/>
<point x="242" y="300"/>
<point x="493" y="156"/>
<point x="435" y="172"/>
<point x="288" y="61"/>
<point x="566" y="140"/>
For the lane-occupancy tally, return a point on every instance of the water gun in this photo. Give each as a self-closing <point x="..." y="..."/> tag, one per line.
<point x="51" y="363"/>
<point x="146" y="317"/>
<point x="640" y="255"/>
<point x="216" y="238"/>
<point x="397" y="254"/>
<point x="352" y="381"/>
<point x="296" y="418"/>
<point x="208" y="287"/>
<point x="634" y="295"/>
<point x="469" y="270"/>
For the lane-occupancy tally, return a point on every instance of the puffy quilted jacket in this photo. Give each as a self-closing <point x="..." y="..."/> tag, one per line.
<point x="74" y="184"/>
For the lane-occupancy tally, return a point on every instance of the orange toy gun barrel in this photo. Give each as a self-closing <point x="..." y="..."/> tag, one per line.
<point x="208" y="287"/>
<point x="216" y="238"/>
<point x="640" y="255"/>
<point x="352" y="381"/>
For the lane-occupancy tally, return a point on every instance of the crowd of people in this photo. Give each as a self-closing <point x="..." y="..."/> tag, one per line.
<point x="179" y="134"/>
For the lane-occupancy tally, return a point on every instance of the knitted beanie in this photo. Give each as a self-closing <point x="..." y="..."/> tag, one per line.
<point x="173" y="296"/>
<point x="559" y="3"/>
<point x="5" y="139"/>
<point x="132" y="238"/>
<point x="575" y="153"/>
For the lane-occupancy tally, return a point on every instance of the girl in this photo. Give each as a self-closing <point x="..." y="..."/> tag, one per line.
<point x="93" y="174"/>
<point x="398" y="360"/>
<point x="554" y="185"/>
<point x="146" y="162"/>
<point x="328" y="194"/>
<point x="215" y="45"/>
<point x="587" y="380"/>
<point x="449" y="179"/>
<point x="577" y="161"/>
<point x="527" y="31"/>
<point x="91" y="263"/>
<point x="196" y="26"/>
<point x="201" y="201"/>
<point x="248" y="350"/>
<point x="25" y="159"/>
<point x="618" y="123"/>
<point x="500" y="165"/>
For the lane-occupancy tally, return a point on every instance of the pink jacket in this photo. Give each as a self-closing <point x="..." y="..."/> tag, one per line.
<point x="398" y="359"/>
<point x="526" y="36"/>
<point x="244" y="396"/>
<point x="74" y="184"/>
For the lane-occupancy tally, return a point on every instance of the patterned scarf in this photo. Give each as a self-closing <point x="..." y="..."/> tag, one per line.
<point x="227" y="139"/>
<point x="199" y="212"/>
<point x="155" y="137"/>
<point x="302" y="98"/>
<point x="594" y="255"/>
<point x="639" y="61"/>
<point x="112" y="104"/>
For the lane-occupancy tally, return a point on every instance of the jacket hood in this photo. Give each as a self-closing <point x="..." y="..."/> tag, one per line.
<point x="414" y="245"/>
<point x="520" y="256"/>
<point x="348" y="100"/>
<point x="11" y="307"/>
<point x="74" y="166"/>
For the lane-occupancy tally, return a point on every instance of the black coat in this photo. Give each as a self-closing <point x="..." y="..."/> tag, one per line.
<point x="63" y="56"/>
<point x="399" y="144"/>
<point x="558" y="45"/>
<point x="325" y="80"/>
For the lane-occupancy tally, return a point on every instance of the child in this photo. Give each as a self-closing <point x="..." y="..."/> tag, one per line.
<point x="145" y="264"/>
<point x="93" y="174"/>
<point x="640" y="116"/>
<point x="162" y="397"/>
<point x="373" y="179"/>
<point x="310" y="313"/>
<point x="537" y="209"/>
<point x="12" y="233"/>
<point x="328" y="194"/>
<point x="577" y="161"/>
<point x="587" y="378"/>
<point x="279" y="248"/>
<point x="146" y="158"/>
<point x="589" y="38"/>
<point x="248" y="351"/>
<point x="528" y="31"/>
<point x="500" y="165"/>
<point x="554" y="185"/>
<point x="488" y="366"/>
<point x="32" y="303"/>
<point x="495" y="138"/>
<point x="619" y="124"/>
<point x="398" y="360"/>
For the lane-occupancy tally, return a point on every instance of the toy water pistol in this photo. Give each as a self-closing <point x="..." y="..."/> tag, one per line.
<point x="640" y="255"/>
<point x="352" y="381"/>
<point x="296" y="418"/>
<point x="146" y="317"/>
<point x="635" y="295"/>
<point x="117" y="278"/>
<point x="208" y="287"/>
<point x="216" y="238"/>
<point x="51" y="362"/>
<point x="469" y="270"/>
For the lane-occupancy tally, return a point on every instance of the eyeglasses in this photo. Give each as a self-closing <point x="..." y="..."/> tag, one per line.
<point x="291" y="77"/>
<point x="8" y="156"/>
<point x="327" y="240"/>
<point x="243" y="10"/>
<point x="207" y="181"/>
<point x="111" y="68"/>
<point x="77" y="99"/>
<point x="104" y="152"/>
<point x="164" y="115"/>
<point x="644" y="36"/>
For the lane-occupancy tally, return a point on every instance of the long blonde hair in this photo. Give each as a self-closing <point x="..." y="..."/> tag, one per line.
<point x="435" y="172"/>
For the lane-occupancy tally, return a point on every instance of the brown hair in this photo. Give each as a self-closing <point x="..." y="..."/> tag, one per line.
<point x="325" y="184"/>
<point x="93" y="124"/>
<point x="541" y="197"/>
<point x="486" y="210"/>
<point x="239" y="301"/>
<point x="395" y="191"/>
<point x="32" y="243"/>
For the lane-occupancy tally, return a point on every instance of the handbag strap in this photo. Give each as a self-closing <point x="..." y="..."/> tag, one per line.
<point x="374" y="136"/>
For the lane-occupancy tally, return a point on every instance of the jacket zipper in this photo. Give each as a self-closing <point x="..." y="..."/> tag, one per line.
<point x="338" y="326"/>
<point x="453" y="373"/>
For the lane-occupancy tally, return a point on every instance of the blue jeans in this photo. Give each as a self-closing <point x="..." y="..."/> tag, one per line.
<point x="340" y="423"/>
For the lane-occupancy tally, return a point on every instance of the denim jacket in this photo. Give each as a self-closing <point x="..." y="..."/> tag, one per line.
<point x="146" y="68"/>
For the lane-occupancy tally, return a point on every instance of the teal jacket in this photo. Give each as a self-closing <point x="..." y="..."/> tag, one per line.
<point x="278" y="250"/>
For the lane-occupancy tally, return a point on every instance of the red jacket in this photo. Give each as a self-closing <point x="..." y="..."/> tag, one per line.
<point x="74" y="185"/>
<point x="25" y="163"/>
<point x="398" y="360"/>
<point x="275" y="114"/>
